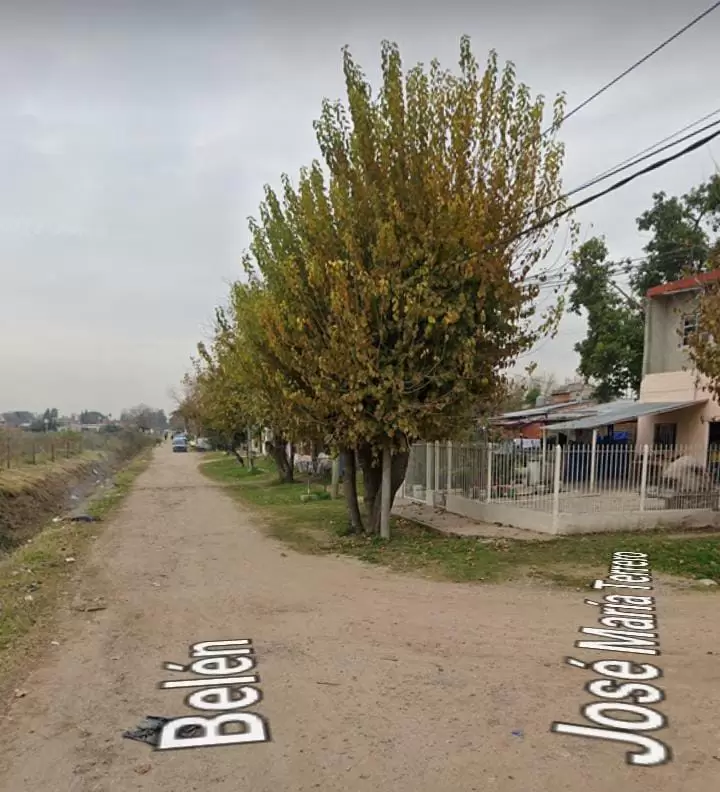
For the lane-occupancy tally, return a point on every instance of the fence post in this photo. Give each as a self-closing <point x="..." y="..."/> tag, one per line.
<point x="593" y="460"/>
<point x="429" y="498"/>
<point x="556" y="487"/>
<point x="52" y="450"/>
<point x="8" y="449"/>
<point x="489" y="472"/>
<point x="436" y="470"/>
<point x="67" y="448"/>
<point x="643" y="477"/>
<point x="448" y="483"/>
<point x="385" y="496"/>
<point x="34" y="458"/>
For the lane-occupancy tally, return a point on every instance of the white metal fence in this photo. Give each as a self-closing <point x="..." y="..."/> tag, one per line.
<point x="574" y="479"/>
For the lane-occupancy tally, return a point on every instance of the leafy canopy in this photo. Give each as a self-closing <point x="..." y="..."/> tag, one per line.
<point x="611" y="354"/>
<point x="390" y="284"/>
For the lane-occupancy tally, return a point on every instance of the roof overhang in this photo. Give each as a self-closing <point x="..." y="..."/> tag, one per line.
<point x="539" y="413"/>
<point x="623" y="415"/>
<point x="690" y="283"/>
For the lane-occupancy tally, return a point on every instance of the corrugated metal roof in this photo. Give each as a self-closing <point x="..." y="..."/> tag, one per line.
<point x="621" y="413"/>
<point x="533" y="411"/>
<point x="574" y="414"/>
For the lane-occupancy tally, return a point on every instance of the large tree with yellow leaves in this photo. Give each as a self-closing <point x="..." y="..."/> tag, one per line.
<point x="387" y="291"/>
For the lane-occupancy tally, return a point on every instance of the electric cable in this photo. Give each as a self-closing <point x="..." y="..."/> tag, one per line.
<point x="635" y="65"/>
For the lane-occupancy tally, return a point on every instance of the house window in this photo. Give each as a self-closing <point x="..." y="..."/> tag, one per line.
<point x="665" y="434"/>
<point x="714" y="435"/>
<point x="689" y="327"/>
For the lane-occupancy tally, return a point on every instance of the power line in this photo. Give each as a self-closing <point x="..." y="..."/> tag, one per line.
<point x="654" y="146"/>
<point x="549" y="288"/>
<point x="626" y="265"/>
<point x="567" y="278"/>
<point x="594" y="197"/>
<point x="638" y="63"/>
<point x="642" y="156"/>
<point x="623" y="267"/>
<point x="617" y="185"/>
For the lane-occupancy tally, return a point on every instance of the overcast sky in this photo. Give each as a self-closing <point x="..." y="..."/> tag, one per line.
<point x="135" y="139"/>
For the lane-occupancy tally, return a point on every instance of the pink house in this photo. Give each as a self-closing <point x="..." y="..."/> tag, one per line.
<point x="668" y="374"/>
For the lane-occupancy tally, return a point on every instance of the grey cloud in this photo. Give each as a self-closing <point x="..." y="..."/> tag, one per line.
<point x="135" y="139"/>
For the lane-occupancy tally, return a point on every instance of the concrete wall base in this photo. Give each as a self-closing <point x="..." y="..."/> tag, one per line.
<point x="609" y="522"/>
<point x="567" y="524"/>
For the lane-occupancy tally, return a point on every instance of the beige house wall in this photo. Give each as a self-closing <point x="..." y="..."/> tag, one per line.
<point x="664" y="350"/>
<point x="668" y="375"/>
<point x="692" y="422"/>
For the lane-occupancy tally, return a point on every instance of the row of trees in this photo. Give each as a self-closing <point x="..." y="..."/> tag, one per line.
<point x="684" y="238"/>
<point x="144" y="418"/>
<point x="49" y="421"/>
<point x="387" y="290"/>
<point x="140" y="417"/>
<point x="390" y="287"/>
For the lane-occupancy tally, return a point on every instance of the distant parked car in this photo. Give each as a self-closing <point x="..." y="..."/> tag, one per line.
<point x="179" y="443"/>
<point x="203" y="444"/>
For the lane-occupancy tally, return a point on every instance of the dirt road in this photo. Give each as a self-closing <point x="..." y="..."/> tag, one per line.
<point x="370" y="681"/>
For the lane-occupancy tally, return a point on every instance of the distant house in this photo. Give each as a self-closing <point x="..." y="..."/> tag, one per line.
<point x="530" y="424"/>
<point x="691" y="416"/>
<point x="92" y="418"/>
<point x="571" y="392"/>
<point x="565" y="402"/>
<point x="87" y="427"/>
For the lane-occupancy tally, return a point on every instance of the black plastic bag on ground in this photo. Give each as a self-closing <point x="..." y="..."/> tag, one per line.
<point x="148" y="730"/>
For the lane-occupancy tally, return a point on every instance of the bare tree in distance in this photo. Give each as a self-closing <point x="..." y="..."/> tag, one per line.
<point x="144" y="418"/>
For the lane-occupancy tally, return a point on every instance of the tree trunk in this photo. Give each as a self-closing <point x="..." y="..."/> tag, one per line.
<point x="350" y="490"/>
<point x="372" y="483"/>
<point x="372" y="478"/>
<point x="284" y="466"/>
<point x="238" y="456"/>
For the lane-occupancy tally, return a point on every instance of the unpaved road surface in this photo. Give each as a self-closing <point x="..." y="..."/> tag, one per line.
<point x="371" y="681"/>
